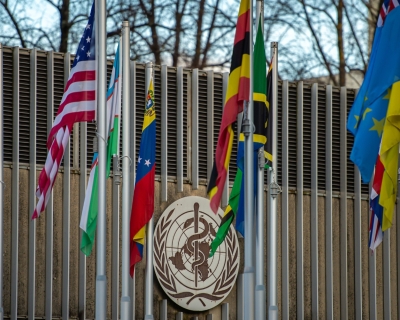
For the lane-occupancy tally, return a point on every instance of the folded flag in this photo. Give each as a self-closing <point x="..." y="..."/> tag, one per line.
<point x="367" y="115"/>
<point x="235" y="207"/>
<point x="229" y="214"/>
<point x="261" y="122"/>
<point x="375" y="225"/>
<point x="143" y="196"/>
<point x="90" y="207"/>
<point x="268" y="145"/>
<point x="77" y="104"/>
<point x="389" y="155"/>
<point x="238" y="91"/>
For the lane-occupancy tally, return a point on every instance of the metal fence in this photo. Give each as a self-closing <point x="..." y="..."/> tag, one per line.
<point x="325" y="268"/>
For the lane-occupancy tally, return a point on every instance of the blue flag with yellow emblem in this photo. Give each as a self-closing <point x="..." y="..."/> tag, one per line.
<point x="368" y="113"/>
<point x="143" y="195"/>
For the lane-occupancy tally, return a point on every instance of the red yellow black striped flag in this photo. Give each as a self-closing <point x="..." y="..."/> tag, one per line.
<point x="238" y="90"/>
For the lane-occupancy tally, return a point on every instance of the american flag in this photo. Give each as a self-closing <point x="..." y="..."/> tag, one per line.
<point x="78" y="104"/>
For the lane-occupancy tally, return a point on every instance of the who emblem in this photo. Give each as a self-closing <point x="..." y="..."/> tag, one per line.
<point x="185" y="271"/>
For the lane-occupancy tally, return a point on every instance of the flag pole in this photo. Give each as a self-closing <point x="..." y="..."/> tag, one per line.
<point x="126" y="197"/>
<point x="149" y="237"/>
<point x="248" y="128"/>
<point x="260" y="250"/>
<point x="101" y="280"/>
<point x="273" y="191"/>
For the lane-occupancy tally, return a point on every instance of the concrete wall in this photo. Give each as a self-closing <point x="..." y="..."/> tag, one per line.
<point x="338" y="273"/>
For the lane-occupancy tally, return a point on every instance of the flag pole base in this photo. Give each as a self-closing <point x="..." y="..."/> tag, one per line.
<point x="125" y="305"/>
<point x="248" y="305"/>
<point x="149" y="317"/>
<point x="260" y="302"/>
<point x="101" y="297"/>
<point x="273" y="313"/>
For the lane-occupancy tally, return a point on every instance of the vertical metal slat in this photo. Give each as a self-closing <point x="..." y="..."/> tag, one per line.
<point x="32" y="188"/>
<point x="239" y="297"/>
<point x="387" y="310"/>
<point x="372" y="285"/>
<point x="285" y="200"/>
<point x="373" y="312"/>
<point x="328" y="205"/>
<point x="82" y="191"/>
<point x="49" y="208"/>
<point x="299" y="204"/>
<point x="2" y="185"/>
<point x="132" y="149"/>
<point x="179" y="316"/>
<point x="164" y="130"/>
<point x="164" y="310"/>
<point x="179" y="129"/>
<point x="195" y="129"/>
<point x="398" y="248"/>
<point x="225" y="311"/>
<point x="314" y="201"/>
<point x="66" y="210"/>
<point x="15" y="188"/>
<point x="115" y="239"/>
<point x="357" y="245"/>
<point x="343" y="219"/>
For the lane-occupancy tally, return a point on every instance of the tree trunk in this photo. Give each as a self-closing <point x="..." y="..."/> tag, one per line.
<point x="339" y="29"/>
<point x="64" y="25"/>
<point x="199" y="33"/>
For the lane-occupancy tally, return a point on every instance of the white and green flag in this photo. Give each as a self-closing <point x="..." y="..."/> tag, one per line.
<point x="90" y="206"/>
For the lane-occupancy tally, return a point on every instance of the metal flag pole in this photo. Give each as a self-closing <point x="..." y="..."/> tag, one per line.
<point x="260" y="250"/>
<point x="248" y="272"/>
<point x="2" y="185"/>
<point x="149" y="237"/>
<point x="273" y="191"/>
<point x="101" y="280"/>
<point x="126" y="197"/>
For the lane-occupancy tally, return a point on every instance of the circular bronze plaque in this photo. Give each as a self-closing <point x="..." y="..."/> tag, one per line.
<point x="182" y="264"/>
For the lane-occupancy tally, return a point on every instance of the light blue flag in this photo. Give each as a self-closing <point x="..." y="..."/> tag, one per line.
<point x="368" y="113"/>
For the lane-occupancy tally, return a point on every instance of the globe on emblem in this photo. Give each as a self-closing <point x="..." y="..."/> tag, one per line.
<point x="185" y="271"/>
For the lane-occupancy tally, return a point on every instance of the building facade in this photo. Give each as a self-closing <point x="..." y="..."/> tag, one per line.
<point x="325" y="269"/>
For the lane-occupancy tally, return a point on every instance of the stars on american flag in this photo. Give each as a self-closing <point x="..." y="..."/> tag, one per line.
<point x="140" y="159"/>
<point x="87" y="42"/>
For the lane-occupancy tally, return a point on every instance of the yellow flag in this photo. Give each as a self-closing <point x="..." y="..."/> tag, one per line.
<point x="389" y="156"/>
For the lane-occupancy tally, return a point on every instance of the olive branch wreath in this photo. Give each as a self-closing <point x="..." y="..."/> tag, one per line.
<point x="223" y="284"/>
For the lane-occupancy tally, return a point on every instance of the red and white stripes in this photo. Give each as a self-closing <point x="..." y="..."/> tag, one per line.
<point x="78" y="104"/>
<point x="385" y="9"/>
<point x="49" y="172"/>
<point x="79" y="99"/>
